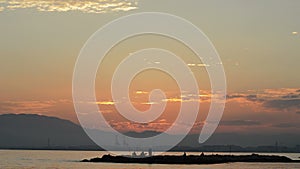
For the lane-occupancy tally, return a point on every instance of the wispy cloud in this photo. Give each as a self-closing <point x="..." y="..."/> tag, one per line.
<point x="173" y="100"/>
<point x="240" y="123"/>
<point x="286" y="125"/>
<point x="283" y="104"/>
<point x="189" y="97"/>
<point x="160" y="125"/>
<point x="197" y="65"/>
<point x="26" y="106"/>
<point x="86" y="6"/>
<point x="242" y="97"/>
<point x="286" y="99"/>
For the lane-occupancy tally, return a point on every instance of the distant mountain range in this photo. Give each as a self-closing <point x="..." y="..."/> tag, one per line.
<point x="43" y="132"/>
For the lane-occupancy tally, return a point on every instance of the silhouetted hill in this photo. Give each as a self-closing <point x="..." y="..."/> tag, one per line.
<point x="33" y="131"/>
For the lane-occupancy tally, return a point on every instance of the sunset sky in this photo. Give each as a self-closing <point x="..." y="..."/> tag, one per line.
<point x="258" y="42"/>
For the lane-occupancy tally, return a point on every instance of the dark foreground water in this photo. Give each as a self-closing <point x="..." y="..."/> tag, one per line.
<point x="32" y="159"/>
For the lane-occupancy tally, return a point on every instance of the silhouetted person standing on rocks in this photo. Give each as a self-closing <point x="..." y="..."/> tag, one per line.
<point x="142" y="154"/>
<point x="133" y="154"/>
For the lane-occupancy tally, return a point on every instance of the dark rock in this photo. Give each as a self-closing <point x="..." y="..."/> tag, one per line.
<point x="193" y="159"/>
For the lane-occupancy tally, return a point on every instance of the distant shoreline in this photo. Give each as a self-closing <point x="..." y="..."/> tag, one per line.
<point x="188" y="150"/>
<point x="175" y="150"/>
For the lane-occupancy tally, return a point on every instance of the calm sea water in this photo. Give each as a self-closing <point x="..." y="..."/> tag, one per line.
<point x="32" y="159"/>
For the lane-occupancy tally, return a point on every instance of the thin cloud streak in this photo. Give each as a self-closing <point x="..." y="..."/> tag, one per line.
<point x="86" y="6"/>
<point x="197" y="65"/>
<point x="26" y="106"/>
<point x="240" y="123"/>
<point x="286" y="125"/>
<point x="105" y="103"/>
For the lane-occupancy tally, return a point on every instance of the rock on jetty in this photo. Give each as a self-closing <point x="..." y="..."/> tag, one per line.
<point x="193" y="159"/>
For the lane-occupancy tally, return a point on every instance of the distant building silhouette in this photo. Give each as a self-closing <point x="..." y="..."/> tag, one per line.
<point x="117" y="141"/>
<point x="150" y="152"/>
<point x="48" y="143"/>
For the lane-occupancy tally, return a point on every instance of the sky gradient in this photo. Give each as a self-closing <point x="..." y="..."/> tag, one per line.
<point x="258" y="43"/>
